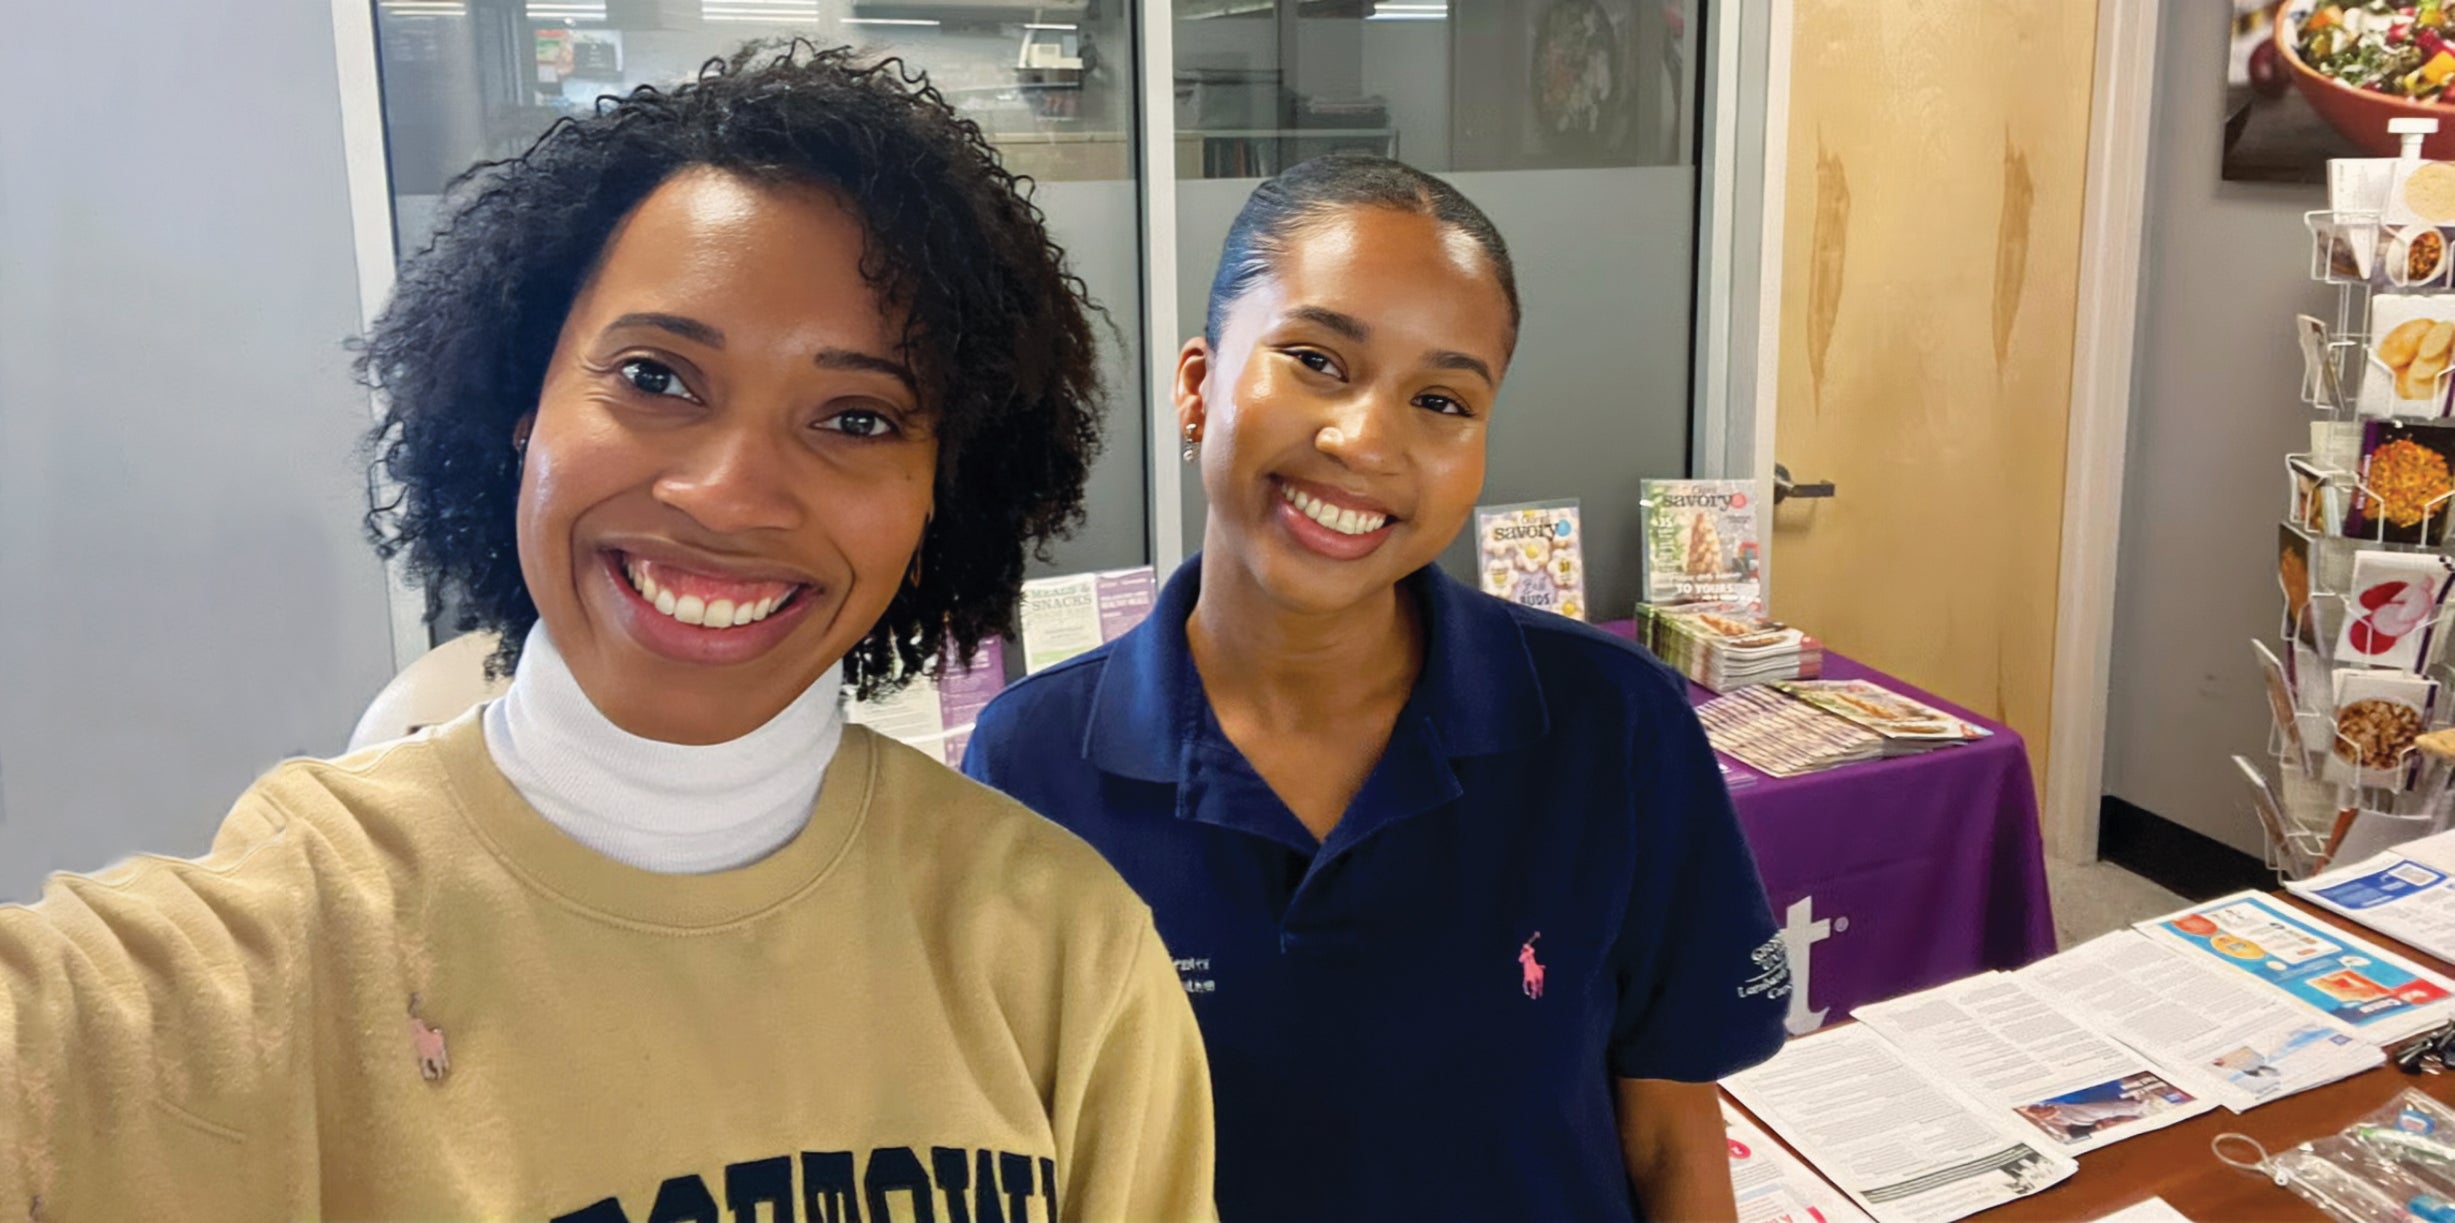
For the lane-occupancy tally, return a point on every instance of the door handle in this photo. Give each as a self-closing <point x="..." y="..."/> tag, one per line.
<point x="1784" y="488"/>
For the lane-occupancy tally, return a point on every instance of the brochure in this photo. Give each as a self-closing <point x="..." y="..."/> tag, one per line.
<point x="2246" y="1045"/>
<point x="1533" y="554"/>
<point x="1884" y="711"/>
<point x="2405" y="483"/>
<point x="2293" y="577"/>
<point x="2008" y="1046"/>
<point x="1779" y="736"/>
<point x="2286" y="850"/>
<point x="2321" y="500"/>
<point x="2396" y="894"/>
<point x="2412" y="347"/>
<point x="1772" y="1185"/>
<point x="1703" y="543"/>
<point x="2378" y="715"/>
<point x="2281" y="706"/>
<point x="937" y="717"/>
<point x="2321" y="385"/>
<point x="1065" y="616"/>
<point x="1905" y="1145"/>
<point x="2357" y="984"/>
<point x="2392" y="608"/>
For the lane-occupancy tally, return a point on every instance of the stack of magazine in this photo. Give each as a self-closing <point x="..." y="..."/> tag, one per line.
<point x="1727" y="650"/>
<point x="1773" y="734"/>
<point x="1907" y="727"/>
<point x="1789" y="728"/>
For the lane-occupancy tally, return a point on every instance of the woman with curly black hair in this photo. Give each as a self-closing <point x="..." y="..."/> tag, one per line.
<point x="710" y="404"/>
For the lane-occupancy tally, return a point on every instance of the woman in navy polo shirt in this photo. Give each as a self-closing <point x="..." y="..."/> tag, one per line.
<point x="1455" y="886"/>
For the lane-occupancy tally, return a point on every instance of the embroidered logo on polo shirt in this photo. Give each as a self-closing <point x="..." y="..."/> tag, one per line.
<point x="1195" y="973"/>
<point x="426" y="1043"/>
<point x="1531" y="968"/>
<point x="1772" y="964"/>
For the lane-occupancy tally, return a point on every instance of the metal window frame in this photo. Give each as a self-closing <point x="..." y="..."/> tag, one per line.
<point x="1737" y="291"/>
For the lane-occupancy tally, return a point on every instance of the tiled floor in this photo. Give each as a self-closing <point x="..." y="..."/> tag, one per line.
<point x="2099" y="897"/>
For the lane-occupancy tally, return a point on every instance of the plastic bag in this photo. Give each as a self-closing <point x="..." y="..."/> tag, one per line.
<point x="2396" y="1165"/>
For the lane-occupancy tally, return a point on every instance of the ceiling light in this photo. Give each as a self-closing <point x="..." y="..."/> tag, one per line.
<point x="768" y="12"/>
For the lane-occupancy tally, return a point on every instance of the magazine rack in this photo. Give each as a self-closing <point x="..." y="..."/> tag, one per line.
<point x="2326" y="784"/>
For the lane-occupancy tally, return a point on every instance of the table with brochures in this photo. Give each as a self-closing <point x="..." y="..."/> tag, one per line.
<point x="2176" y="1164"/>
<point x="1890" y="876"/>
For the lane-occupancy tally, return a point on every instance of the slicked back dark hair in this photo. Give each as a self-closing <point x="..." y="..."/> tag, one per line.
<point x="999" y="331"/>
<point x="1310" y="192"/>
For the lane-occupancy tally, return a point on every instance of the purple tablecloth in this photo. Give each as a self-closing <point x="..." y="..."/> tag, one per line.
<point x="1895" y="875"/>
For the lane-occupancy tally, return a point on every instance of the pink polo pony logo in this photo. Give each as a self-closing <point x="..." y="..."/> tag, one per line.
<point x="1531" y="967"/>
<point x="426" y="1041"/>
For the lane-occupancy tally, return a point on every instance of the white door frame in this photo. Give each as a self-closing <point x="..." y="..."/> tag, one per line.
<point x="370" y="197"/>
<point x="2120" y="133"/>
<point x="1163" y="483"/>
<point x="1739" y="243"/>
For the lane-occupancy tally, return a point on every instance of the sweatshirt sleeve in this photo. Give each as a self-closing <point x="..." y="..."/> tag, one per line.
<point x="146" y="1015"/>
<point x="1138" y="1146"/>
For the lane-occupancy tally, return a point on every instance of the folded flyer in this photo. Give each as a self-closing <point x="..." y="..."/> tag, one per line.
<point x="2212" y="1029"/>
<point x="2366" y="988"/>
<point x="2396" y="893"/>
<point x="2007" y="1044"/>
<point x="1772" y="1185"/>
<point x="1906" y="1146"/>
<point x="1882" y="710"/>
<point x="1779" y="736"/>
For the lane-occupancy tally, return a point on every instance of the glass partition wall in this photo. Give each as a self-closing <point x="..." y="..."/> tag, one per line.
<point x="1575" y="123"/>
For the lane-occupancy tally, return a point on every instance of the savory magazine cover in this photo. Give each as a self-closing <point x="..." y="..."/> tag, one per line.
<point x="1533" y="554"/>
<point x="1702" y="543"/>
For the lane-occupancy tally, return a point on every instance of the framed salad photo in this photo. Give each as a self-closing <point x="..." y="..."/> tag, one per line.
<point x="2309" y="80"/>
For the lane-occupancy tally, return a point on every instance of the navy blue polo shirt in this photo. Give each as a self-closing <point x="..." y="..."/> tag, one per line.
<point x="1540" y="888"/>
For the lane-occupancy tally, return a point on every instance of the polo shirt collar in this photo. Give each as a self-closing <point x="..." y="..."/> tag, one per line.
<point x="1478" y="694"/>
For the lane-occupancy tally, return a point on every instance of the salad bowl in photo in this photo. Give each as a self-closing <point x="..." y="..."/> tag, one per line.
<point x="2363" y="64"/>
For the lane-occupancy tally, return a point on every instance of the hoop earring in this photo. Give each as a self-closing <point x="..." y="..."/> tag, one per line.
<point x="912" y="573"/>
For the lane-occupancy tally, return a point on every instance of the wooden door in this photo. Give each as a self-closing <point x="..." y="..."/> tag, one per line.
<point x="1931" y="248"/>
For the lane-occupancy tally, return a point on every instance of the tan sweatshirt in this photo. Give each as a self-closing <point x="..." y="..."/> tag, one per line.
<point x="393" y="991"/>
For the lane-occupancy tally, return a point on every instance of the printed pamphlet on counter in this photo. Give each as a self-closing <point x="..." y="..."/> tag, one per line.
<point x="1903" y="1144"/>
<point x="2407" y="893"/>
<point x="2364" y="987"/>
<point x="1772" y="1185"/>
<point x="2220" y="1035"/>
<point x="2006" y="1044"/>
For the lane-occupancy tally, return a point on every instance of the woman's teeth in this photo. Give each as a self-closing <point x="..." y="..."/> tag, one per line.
<point x="706" y="613"/>
<point x="1343" y="521"/>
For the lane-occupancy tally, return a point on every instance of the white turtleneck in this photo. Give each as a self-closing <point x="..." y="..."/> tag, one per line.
<point x="672" y="808"/>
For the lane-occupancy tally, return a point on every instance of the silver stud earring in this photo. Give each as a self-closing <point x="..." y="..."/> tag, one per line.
<point x="1193" y="439"/>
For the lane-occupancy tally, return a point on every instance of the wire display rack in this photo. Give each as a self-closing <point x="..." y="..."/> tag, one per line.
<point x="2342" y="786"/>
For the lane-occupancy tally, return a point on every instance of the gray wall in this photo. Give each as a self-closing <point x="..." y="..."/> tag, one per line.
<point x="190" y="599"/>
<point x="1596" y="398"/>
<point x="2225" y="268"/>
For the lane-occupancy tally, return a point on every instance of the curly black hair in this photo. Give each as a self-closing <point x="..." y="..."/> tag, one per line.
<point x="999" y="332"/>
